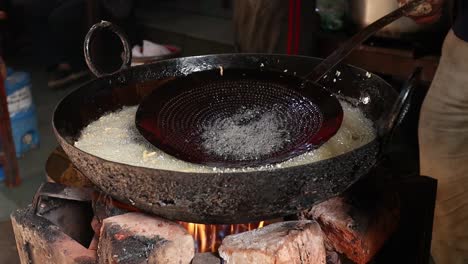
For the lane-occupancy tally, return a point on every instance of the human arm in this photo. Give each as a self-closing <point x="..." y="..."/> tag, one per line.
<point x="427" y="13"/>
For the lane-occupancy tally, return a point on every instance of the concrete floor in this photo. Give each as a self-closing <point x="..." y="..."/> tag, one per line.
<point x="32" y="164"/>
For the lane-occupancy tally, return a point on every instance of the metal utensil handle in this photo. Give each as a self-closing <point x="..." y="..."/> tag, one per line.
<point x="338" y="55"/>
<point x="400" y="108"/>
<point x="61" y="191"/>
<point x="105" y="25"/>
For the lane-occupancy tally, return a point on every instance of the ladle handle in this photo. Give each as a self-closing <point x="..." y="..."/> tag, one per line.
<point x="400" y="109"/>
<point x="105" y="25"/>
<point x="338" y="55"/>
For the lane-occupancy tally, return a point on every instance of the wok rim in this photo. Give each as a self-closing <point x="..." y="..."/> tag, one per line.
<point x="153" y="170"/>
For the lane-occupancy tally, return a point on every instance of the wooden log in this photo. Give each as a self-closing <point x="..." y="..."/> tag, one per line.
<point x="40" y="241"/>
<point x="138" y="238"/>
<point x="206" y="258"/>
<point x="281" y="243"/>
<point x="358" y="223"/>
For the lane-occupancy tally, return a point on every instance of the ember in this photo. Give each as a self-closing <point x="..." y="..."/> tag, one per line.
<point x="209" y="237"/>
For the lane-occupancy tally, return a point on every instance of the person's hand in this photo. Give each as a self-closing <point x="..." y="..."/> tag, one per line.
<point x="426" y="13"/>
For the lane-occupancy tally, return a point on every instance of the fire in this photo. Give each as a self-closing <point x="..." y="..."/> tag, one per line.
<point x="209" y="237"/>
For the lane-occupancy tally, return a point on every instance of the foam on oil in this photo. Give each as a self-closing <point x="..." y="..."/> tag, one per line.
<point x="246" y="135"/>
<point x="115" y="137"/>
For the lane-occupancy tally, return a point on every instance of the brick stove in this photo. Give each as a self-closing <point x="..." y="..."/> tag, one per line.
<point x="385" y="218"/>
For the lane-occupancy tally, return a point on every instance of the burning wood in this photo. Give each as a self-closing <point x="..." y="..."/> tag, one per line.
<point x="358" y="224"/>
<point x="206" y="258"/>
<point x="209" y="237"/>
<point x="280" y="243"/>
<point x="138" y="238"/>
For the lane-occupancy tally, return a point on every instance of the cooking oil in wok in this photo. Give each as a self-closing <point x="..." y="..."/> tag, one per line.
<point x="115" y="137"/>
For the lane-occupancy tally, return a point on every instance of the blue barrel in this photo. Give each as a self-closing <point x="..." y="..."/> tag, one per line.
<point x="22" y="110"/>
<point x="2" y="174"/>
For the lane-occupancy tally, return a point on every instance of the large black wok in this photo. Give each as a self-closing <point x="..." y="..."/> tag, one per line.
<point x="223" y="197"/>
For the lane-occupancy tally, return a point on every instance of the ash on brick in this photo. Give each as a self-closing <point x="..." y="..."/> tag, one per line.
<point x="134" y="247"/>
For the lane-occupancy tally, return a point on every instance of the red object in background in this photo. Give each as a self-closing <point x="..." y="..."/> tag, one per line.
<point x="294" y="27"/>
<point x="7" y="153"/>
